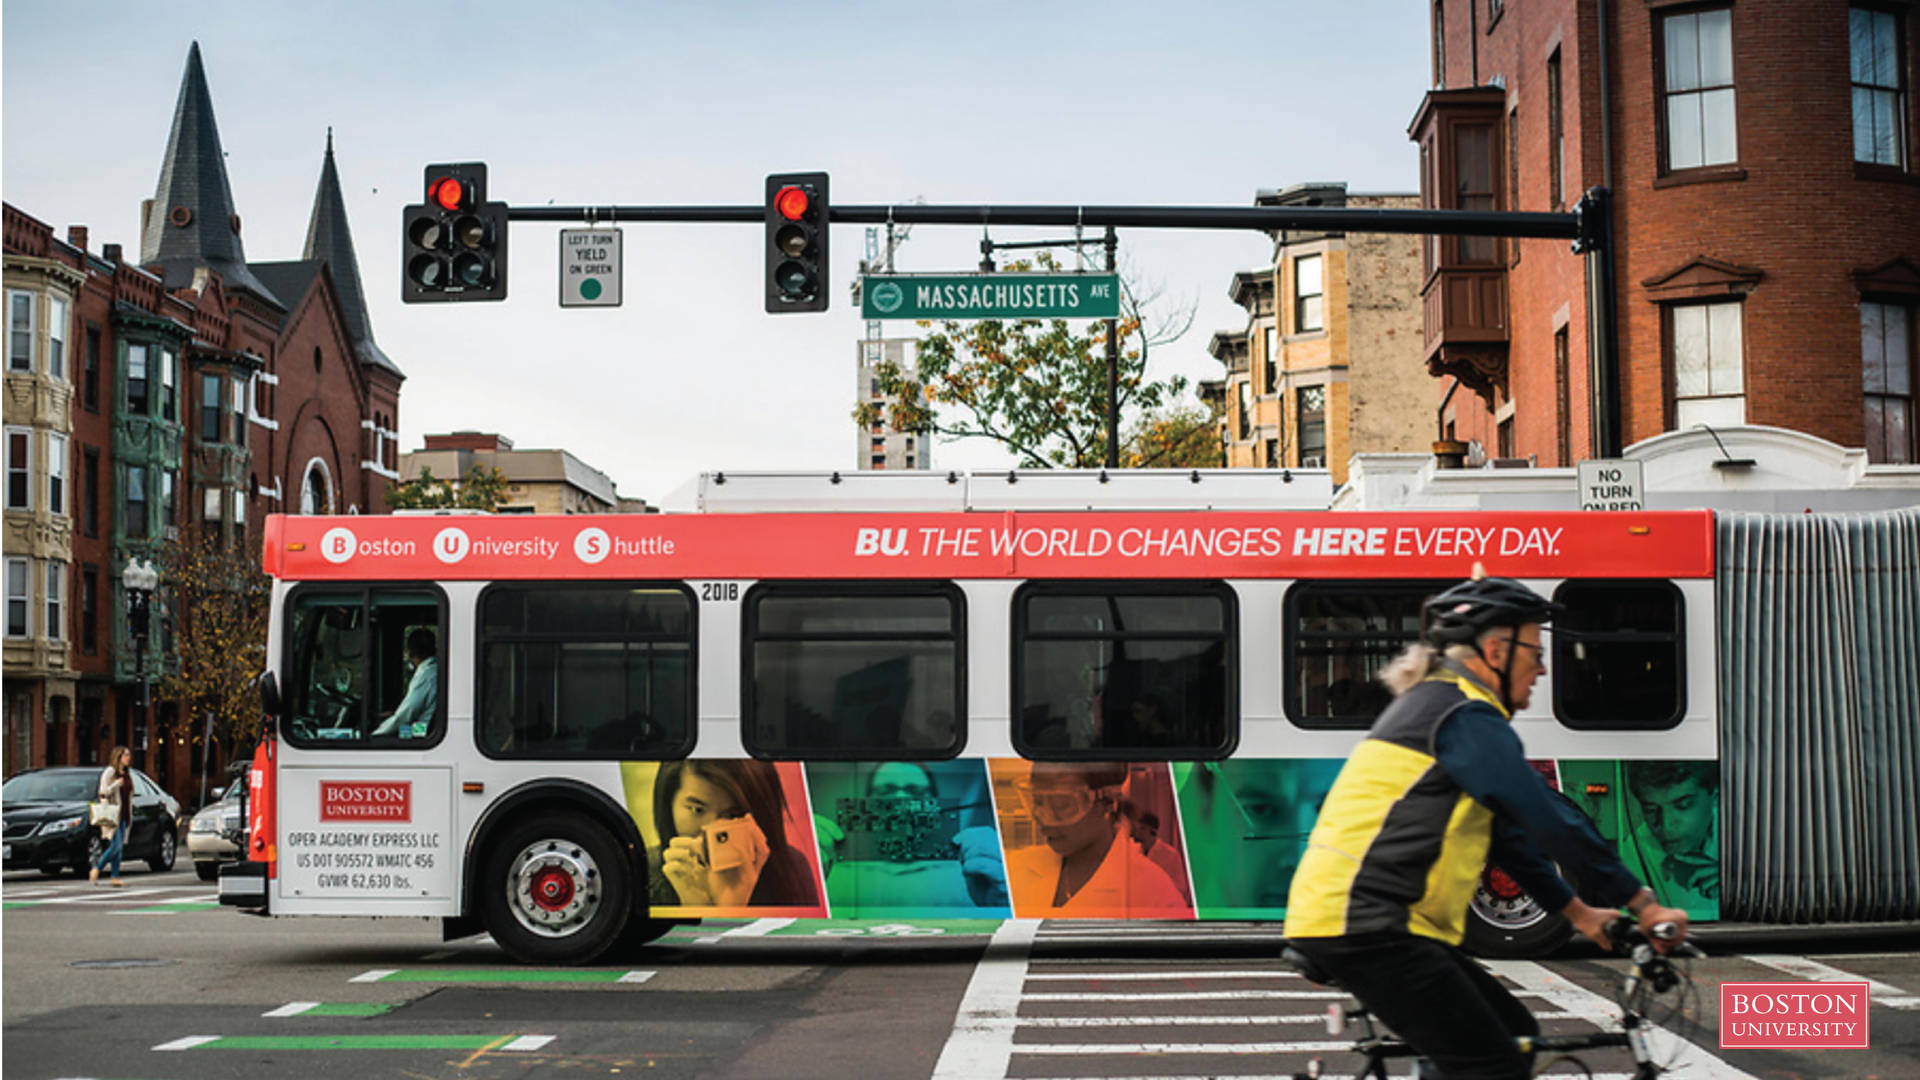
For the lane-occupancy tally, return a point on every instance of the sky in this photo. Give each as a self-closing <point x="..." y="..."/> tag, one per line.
<point x="685" y="103"/>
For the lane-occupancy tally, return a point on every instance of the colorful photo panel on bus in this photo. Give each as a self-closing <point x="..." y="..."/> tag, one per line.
<point x="908" y="839"/>
<point x="1091" y="840"/>
<point x="1247" y="822"/>
<point x="725" y="837"/>
<point x="1664" y="818"/>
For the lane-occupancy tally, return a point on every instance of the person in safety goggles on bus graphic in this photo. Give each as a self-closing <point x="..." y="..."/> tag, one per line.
<point x="1085" y="863"/>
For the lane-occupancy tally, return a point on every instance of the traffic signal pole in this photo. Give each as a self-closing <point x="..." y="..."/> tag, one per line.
<point x="1588" y="225"/>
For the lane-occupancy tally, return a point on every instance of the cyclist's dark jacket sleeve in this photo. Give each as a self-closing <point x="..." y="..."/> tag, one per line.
<point x="1479" y="750"/>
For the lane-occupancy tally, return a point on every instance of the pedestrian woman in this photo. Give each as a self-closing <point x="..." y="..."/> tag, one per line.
<point x="116" y="786"/>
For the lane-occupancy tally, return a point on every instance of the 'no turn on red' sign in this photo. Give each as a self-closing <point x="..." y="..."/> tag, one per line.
<point x="589" y="268"/>
<point x="1612" y="484"/>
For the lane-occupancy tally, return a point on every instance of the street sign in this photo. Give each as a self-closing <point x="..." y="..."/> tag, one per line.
<point x="1612" y="484"/>
<point x="990" y="296"/>
<point x="589" y="267"/>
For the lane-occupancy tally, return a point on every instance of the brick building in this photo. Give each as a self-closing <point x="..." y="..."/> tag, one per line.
<point x="1768" y="217"/>
<point x="186" y="395"/>
<point x="1318" y="374"/>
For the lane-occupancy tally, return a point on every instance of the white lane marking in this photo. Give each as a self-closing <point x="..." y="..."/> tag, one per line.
<point x="1311" y="1047"/>
<point x="192" y="898"/>
<point x="756" y="928"/>
<point x="1668" y="1048"/>
<point x="1816" y="971"/>
<point x="103" y="896"/>
<point x="292" y="1008"/>
<point x="143" y="913"/>
<point x="374" y="976"/>
<point x="1201" y="995"/>
<point x="1109" y="939"/>
<point x="11" y="895"/>
<point x="1235" y="1020"/>
<point x="982" y="1039"/>
<point x="187" y="1043"/>
<point x="636" y="976"/>
<point x="1040" y="962"/>
<point x="525" y="1044"/>
<point x="1137" y="976"/>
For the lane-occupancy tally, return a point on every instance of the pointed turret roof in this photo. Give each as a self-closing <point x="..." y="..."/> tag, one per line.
<point x="192" y="222"/>
<point x="329" y="240"/>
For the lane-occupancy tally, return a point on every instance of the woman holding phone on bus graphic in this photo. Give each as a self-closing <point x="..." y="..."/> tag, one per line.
<point x="723" y="838"/>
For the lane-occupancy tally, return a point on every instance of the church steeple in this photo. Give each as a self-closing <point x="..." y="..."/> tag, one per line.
<point x="191" y="222"/>
<point x="329" y="240"/>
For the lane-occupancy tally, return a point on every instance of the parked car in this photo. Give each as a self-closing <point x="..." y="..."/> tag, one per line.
<point x="218" y="833"/>
<point x="45" y="821"/>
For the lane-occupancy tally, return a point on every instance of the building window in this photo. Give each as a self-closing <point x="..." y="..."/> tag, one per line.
<point x="1503" y="438"/>
<point x="90" y="377"/>
<point x="56" y="337"/>
<point x="1887" y="360"/>
<point x="1245" y="392"/>
<point x="90" y="609"/>
<point x="1271" y="361"/>
<point x="1562" y="378"/>
<point x="211" y="414"/>
<point x="169" y="493"/>
<point x="239" y="508"/>
<point x="56" y="600"/>
<point x="210" y="502"/>
<point x="19" y="580"/>
<point x="1556" y="137"/>
<point x="137" y="380"/>
<point x="56" y="473"/>
<point x="238" y="402"/>
<point x="1879" y="87"/>
<point x="19" y="330"/>
<point x="1473" y="173"/>
<point x="1340" y="636"/>
<point x="90" y="490"/>
<point x="1119" y="669"/>
<point x="169" y="375"/>
<point x="1307" y="290"/>
<point x="1619" y="655"/>
<point x="1708" y="387"/>
<point x="19" y="468"/>
<point x="316" y="489"/>
<point x="1697" y="93"/>
<point x="1439" y="45"/>
<point x="136" y="502"/>
<point x="1513" y="165"/>
<point x="586" y="671"/>
<point x="1273" y="453"/>
<point x="843" y="670"/>
<point x="1311" y="402"/>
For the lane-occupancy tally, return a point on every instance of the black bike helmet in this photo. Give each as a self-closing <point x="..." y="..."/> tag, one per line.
<point x="1465" y="611"/>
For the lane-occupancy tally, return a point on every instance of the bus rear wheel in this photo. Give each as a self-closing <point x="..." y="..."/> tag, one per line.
<point x="556" y="889"/>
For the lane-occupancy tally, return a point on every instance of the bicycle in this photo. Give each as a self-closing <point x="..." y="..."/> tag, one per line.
<point x="1651" y="976"/>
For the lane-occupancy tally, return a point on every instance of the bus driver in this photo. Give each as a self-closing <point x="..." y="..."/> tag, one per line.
<point x="414" y="714"/>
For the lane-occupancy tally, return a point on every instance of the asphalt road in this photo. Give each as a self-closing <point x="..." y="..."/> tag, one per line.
<point x="153" y="982"/>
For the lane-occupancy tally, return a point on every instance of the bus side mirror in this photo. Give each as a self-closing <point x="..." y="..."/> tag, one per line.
<point x="269" y="693"/>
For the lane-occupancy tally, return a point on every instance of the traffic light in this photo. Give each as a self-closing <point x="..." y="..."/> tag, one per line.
<point x="454" y="246"/>
<point x="796" y="242"/>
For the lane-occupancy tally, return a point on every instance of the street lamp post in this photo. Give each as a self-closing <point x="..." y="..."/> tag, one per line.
<point x="140" y="579"/>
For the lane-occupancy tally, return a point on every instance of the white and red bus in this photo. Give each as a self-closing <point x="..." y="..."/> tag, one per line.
<point x="574" y="732"/>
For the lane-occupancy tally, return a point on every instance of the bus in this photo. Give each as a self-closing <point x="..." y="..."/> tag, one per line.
<point x="982" y="696"/>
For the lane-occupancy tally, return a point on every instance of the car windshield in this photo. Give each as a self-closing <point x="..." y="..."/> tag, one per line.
<point x="50" y="787"/>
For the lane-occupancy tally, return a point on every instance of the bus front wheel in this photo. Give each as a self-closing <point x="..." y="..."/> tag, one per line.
<point x="1505" y="923"/>
<point x="556" y="889"/>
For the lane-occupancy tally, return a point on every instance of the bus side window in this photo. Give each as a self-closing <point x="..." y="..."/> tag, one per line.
<point x="1338" y="637"/>
<point x="358" y="657"/>
<point x="1135" y="669"/>
<point x="1619" y="656"/>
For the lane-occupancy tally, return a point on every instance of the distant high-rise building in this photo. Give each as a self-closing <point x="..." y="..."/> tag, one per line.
<point x="878" y="445"/>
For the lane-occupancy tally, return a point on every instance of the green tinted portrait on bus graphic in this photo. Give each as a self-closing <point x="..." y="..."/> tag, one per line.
<point x="1091" y="839"/>
<point x="1664" y="816"/>
<point x="1247" y="822"/>
<point x="724" y="836"/>
<point x="906" y="839"/>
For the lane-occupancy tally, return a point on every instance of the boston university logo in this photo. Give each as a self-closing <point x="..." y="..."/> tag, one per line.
<point x="366" y="800"/>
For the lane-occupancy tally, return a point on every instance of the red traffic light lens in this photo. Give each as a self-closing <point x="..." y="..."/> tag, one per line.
<point x="450" y="193"/>
<point x="791" y="202"/>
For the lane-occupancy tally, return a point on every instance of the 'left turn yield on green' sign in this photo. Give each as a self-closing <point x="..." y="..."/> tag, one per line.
<point x="589" y="268"/>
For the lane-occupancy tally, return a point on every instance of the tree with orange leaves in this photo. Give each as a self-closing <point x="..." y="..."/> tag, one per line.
<point x="217" y="597"/>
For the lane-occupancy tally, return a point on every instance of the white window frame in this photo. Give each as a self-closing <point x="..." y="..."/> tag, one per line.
<point x="377" y="464"/>
<point x="20" y="597"/>
<point x="57" y="337"/>
<point x="144" y="351"/>
<point x="1884" y="142"/>
<point x="1300" y="296"/>
<point x="253" y="399"/>
<point x="56" y="597"/>
<point x="240" y="506"/>
<point x="17" y="361"/>
<point x="57" y="479"/>
<point x="25" y="467"/>
<point x="1713" y="391"/>
<point x="210" y="503"/>
<point x="326" y="474"/>
<point x="1693" y="140"/>
<point x="169" y="378"/>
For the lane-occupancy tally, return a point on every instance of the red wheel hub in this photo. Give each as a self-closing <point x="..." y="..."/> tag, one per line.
<point x="1501" y="885"/>
<point x="552" y="888"/>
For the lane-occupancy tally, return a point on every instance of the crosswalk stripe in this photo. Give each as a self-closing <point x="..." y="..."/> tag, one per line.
<point x="526" y="1044"/>
<point x="187" y="1043"/>
<point x="1139" y="976"/>
<point x="1199" y="995"/>
<point x="1311" y="1047"/>
<point x="292" y="1008"/>
<point x="982" y="1041"/>
<point x="374" y="976"/>
<point x="1816" y="971"/>
<point x="1595" y="1009"/>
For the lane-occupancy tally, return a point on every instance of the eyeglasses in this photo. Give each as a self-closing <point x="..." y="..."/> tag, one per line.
<point x="1056" y="806"/>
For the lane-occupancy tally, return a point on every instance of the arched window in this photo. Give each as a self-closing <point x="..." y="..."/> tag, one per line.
<point x="316" y="489"/>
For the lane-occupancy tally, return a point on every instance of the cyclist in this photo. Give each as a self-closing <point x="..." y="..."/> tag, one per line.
<point x="1440" y="787"/>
